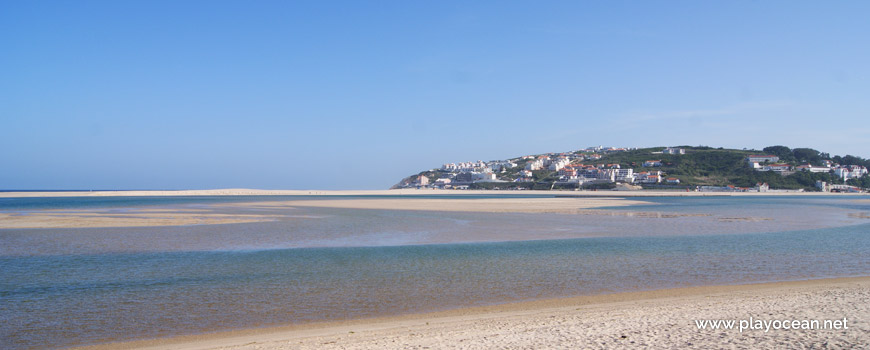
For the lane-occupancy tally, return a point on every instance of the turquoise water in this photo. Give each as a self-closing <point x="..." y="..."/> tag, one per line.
<point x="90" y="293"/>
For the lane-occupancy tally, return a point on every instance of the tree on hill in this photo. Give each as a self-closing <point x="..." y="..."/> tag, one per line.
<point x="851" y="160"/>
<point x="808" y="155"/>
<point x="784" y="153"/>
<point x="863" y="182"/>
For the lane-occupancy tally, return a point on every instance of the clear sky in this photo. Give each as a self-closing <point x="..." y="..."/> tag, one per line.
<point x="358" y="94"/>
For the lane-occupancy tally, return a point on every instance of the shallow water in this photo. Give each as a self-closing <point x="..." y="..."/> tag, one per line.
<point x="83" y="286"/>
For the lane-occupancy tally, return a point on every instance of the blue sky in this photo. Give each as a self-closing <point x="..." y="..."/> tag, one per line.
<point x="357" y="95"/>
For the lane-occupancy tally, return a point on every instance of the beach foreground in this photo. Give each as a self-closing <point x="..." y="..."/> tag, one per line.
<point x="652" y="319"/>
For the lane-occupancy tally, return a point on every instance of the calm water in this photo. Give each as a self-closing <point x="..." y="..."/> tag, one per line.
<point x="82" y="286"/>
<point x="25" y="203"/>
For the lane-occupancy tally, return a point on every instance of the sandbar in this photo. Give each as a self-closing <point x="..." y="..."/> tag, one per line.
<point x="108" y="218"/>
<point x="484" y="205"/>
<point x="661" y="319"/>
<point x="208" y="216"/>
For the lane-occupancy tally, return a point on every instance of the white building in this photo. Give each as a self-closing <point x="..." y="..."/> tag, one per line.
<point x="652" y="179"/>
<point x="482" y="176"/>
<point x="558" y="164"/>
<point x="670" y="150"/>
<point x="625" y="175"/>
<point x="650" y="163"/>
<point x="536" y="164"/>
<point x="568" y="172"/>
<point x="780" y="168"/>
<point x="812" y="169"/>
<point x="607" y="174"/>
<point x="846" y="172"/>
<point x="648" y="177"/>
<point x="762" y="159"/>
<point x="501" y="165"/>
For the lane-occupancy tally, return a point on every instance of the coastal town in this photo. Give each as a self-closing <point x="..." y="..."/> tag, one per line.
<point x="653" y="168"/>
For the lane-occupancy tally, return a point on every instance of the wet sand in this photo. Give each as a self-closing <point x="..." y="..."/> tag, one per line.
<point x="487" y="205"/>
<point x="652" y="319"/>
<point x="246" y="212"/>
<point x="210" y="215"/>
<point x="107" y="218"/>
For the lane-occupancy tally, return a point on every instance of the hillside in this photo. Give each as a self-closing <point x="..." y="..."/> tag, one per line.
<point x="697" y="166"/>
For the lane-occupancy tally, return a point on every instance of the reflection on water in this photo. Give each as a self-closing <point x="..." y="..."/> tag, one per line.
<point x="83" y="286"/>
<point x="60" y="300"/>
<point x="303" y="227"/>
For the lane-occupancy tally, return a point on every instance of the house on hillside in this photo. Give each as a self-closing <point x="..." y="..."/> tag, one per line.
<point x="536" y="164"/>
<point x="846" y="172"/>
<point x="762" y="159"/>
<point x="777" y="167"/>
<point x="625" y="175"/>
<point x="812" y="169"/>
<point x="422" y="181"/>
<point x="442" y="181"/>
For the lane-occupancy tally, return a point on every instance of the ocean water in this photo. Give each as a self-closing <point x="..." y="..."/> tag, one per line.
<point x="67" y="287"/>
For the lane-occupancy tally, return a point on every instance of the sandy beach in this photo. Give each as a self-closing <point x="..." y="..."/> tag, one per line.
<point x="651" y="319"/>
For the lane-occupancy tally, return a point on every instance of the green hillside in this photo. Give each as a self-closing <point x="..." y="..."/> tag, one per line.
<point x="699" y="166"/>
<point x="705" y="166"/>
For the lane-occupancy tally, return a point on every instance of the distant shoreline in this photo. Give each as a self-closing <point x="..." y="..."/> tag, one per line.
<point x="400" y="192"/>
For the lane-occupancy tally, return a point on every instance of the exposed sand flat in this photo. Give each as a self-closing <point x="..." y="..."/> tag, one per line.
<point x="206" y="216"/>
<point x="255" y="192"/>
<point x="182" y="216"/>
<point x="69" y="219"/>
<point x="662" y="319"/>
<point x="487" y="205"/>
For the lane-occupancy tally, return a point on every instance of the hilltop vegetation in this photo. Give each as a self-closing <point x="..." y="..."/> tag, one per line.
<point x="699" y="166"/>
<point x="705" y="166"/>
